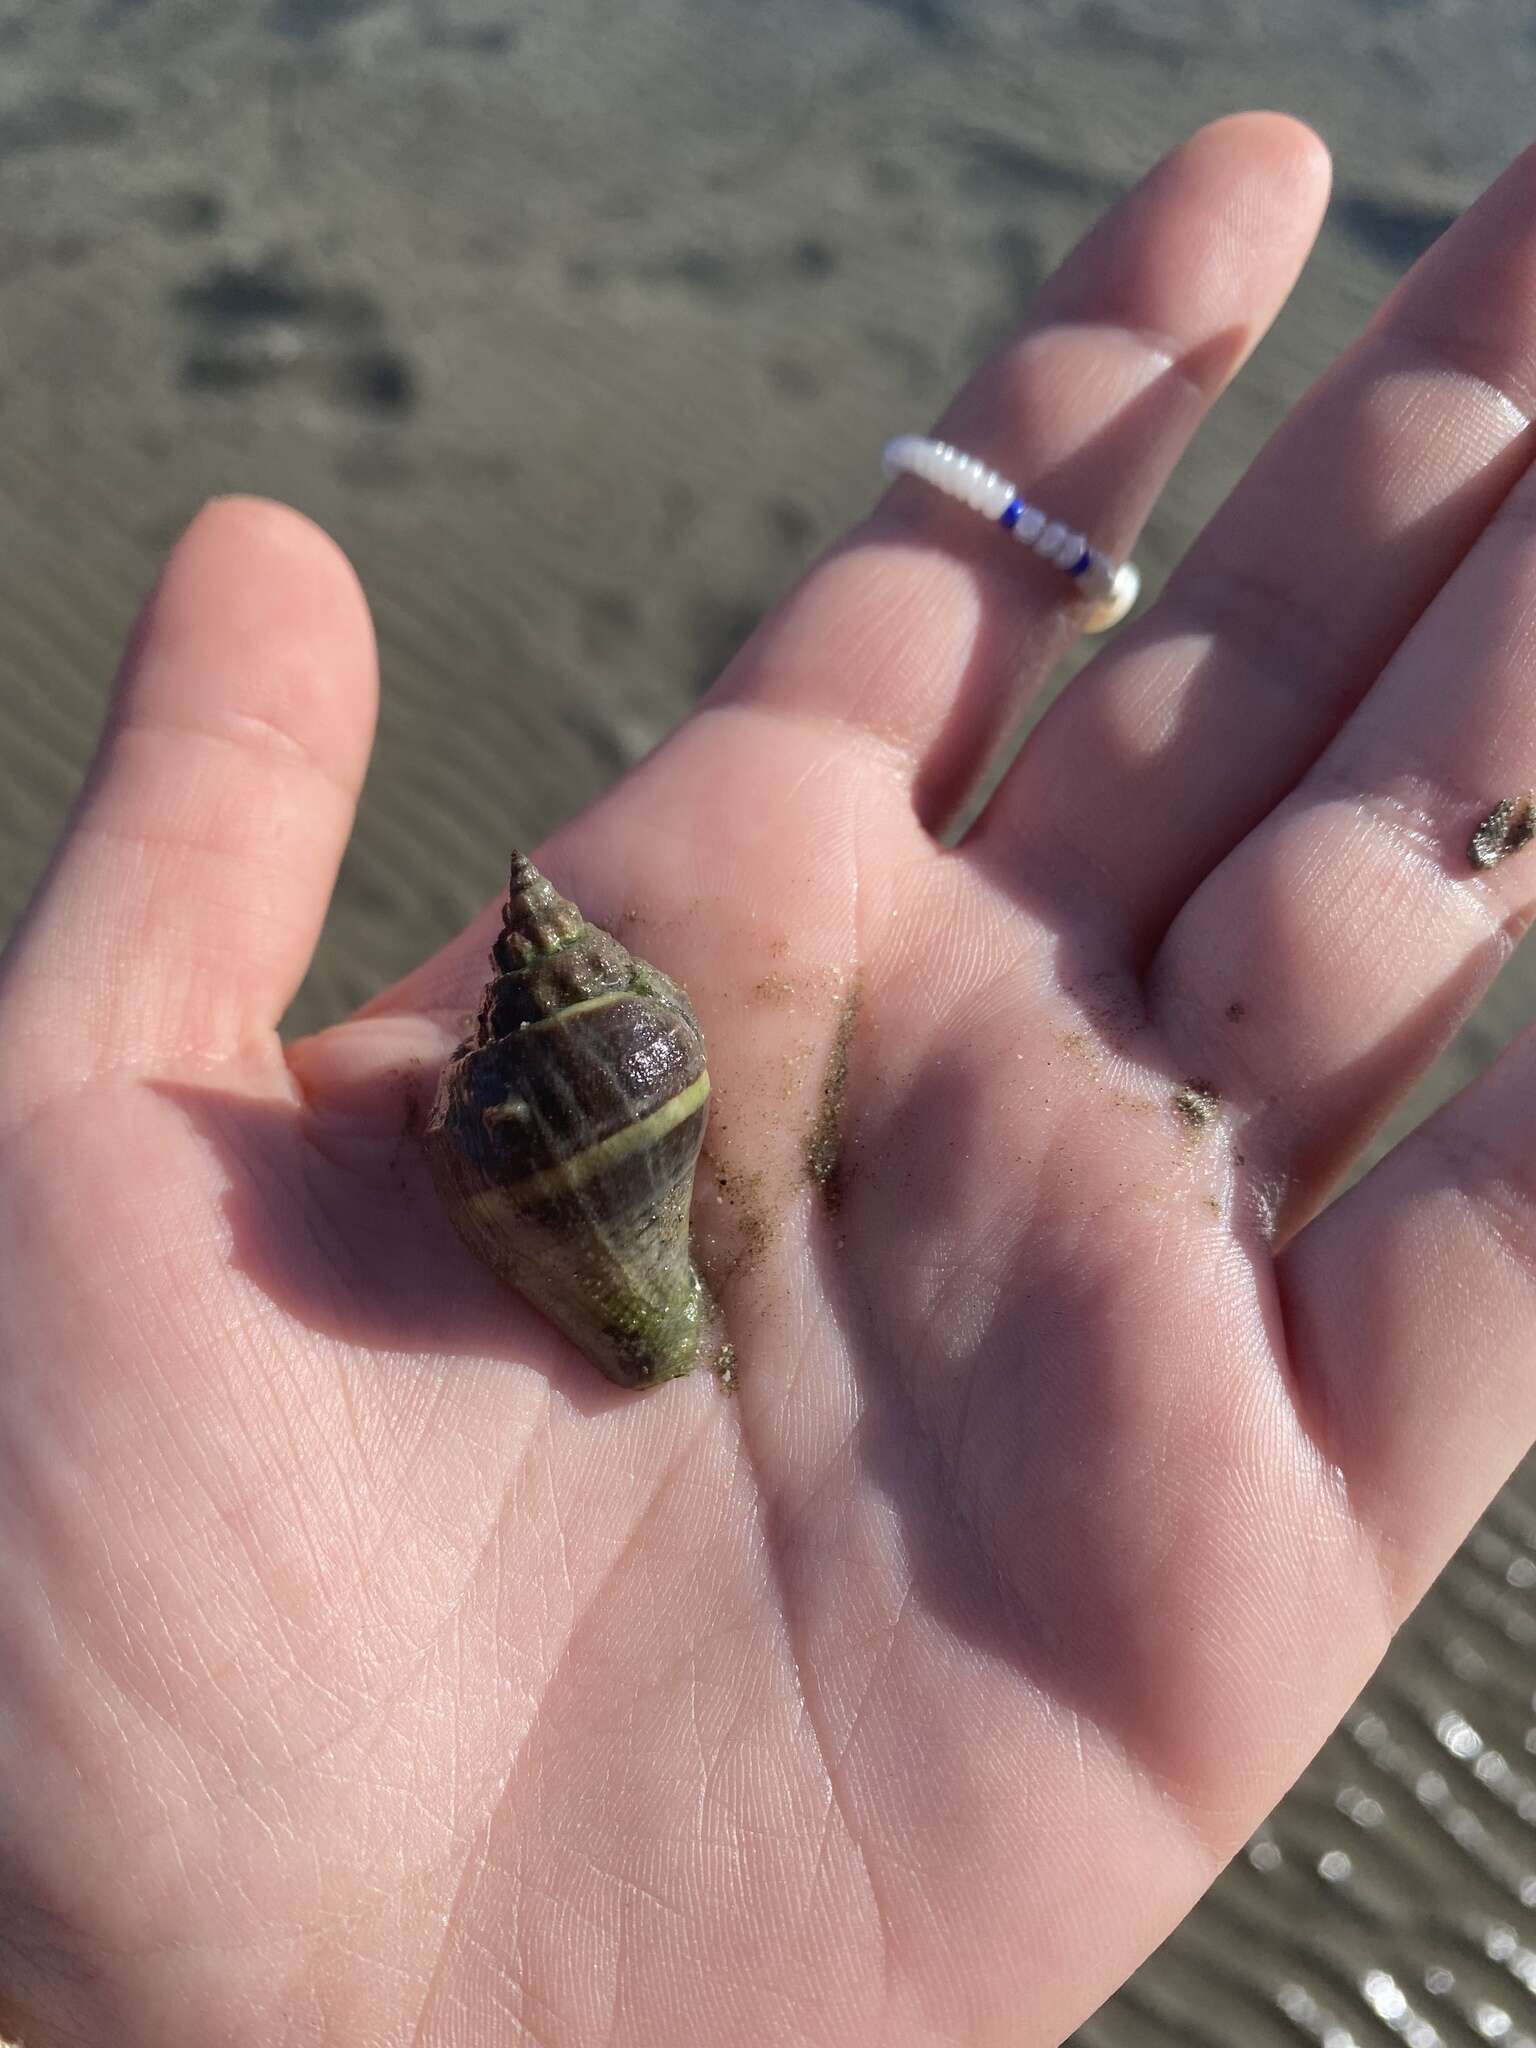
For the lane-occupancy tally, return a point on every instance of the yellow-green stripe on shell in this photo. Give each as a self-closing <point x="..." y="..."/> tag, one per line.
<point x="565" y="1133"/>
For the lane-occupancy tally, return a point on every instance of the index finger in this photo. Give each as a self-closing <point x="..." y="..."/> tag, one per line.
<point x="925" y="631"/>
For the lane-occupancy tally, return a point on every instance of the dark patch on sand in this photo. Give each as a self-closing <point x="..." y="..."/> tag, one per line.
<point x="1395" y="230"/>
<point x="306" y="19"/>
<point x="62" y="119"/>
<point x="1197" y="1104"/>
<point x="793" y="527"/>
<point x="256" y="321"/>
<point x="475" y="38"/>
<point x="824" y="1147"/>
<point x="717" y="273"/>
<point x="239" y="295"/>
<point x="188" y="211"/>
<point x="940" y="22"/>
<point x="1510" y="825"/>
<point x="812" y="257"/>
<point x="380" y="380"/>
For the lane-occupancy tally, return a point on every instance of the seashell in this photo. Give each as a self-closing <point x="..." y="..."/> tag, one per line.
<point x="565" y="1131"/>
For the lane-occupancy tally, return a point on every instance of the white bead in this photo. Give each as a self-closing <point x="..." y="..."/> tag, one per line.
<point x="1030" y="527"/>
<point x="997" y="497"/>
<point x="1097" y="581"/>
<point x="902" y="454"/>
<point x="1070" y="553"/>
<point x="1050" y="541"/>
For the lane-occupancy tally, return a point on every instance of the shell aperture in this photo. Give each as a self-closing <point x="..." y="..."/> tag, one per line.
<point x="565" y="1132"/>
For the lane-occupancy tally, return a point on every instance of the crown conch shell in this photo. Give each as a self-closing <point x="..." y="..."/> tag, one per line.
<point x="565" y="1132"/>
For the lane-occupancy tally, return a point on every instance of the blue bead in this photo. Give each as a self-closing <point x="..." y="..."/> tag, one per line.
<point x="1082" y="564"/>
<point x="1011" y="513"/>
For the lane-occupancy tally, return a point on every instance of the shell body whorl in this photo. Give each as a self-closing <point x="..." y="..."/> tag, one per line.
<point x="565" y="1132"/>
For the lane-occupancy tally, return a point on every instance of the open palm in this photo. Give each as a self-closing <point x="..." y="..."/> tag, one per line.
<point x="375" y="1672"/>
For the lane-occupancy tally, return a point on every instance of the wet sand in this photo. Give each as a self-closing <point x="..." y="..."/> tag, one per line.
<point x="581" y="329"/>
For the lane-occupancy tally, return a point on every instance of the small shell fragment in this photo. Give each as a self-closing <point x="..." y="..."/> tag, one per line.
<point x="1510" y="825"/>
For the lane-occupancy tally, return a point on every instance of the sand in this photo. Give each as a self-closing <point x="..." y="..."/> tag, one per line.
<point x="581" y="326"/>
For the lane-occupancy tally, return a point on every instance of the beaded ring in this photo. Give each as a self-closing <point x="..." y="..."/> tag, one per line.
<point x="1111" y="589"/>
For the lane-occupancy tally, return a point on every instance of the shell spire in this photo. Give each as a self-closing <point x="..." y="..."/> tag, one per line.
<point x="566" y="1130"/>
<point x="535" y="919"/>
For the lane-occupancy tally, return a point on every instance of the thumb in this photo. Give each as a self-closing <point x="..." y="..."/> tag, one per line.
<point x="182" y="905"/>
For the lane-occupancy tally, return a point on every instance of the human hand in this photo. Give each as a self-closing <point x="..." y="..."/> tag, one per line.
<point x="374" y="1671"/>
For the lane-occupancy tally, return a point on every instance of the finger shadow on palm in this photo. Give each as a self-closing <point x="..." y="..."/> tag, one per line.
<point x="335" y="1220"/>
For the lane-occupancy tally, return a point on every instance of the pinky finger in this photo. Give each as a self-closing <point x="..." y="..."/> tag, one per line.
<point x="1411" y="1308"/>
